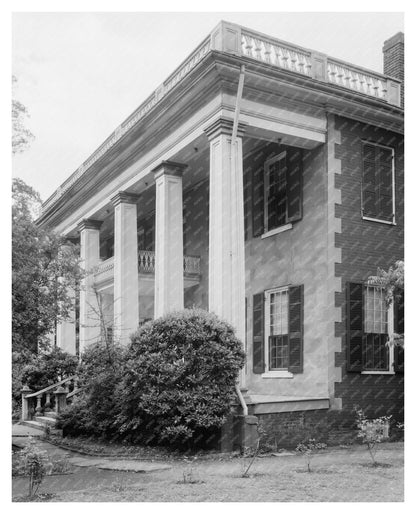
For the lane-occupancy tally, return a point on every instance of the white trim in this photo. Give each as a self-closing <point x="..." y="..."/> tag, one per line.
<point x="378" y="373"/>
<point x="267" y="372"/>
<point x="277" y="374"/>
<point x="381" y="221"/>
<point x="277" y="230"/>
<point x="390" y="330"/>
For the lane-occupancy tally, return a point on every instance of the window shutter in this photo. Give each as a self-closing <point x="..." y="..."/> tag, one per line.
<point x="258" y="333"/>
<point x="369" y="181"/>
<point x="258" y="201"/>
<point x="355" y="321"/>
<point x="294" y="184"/>
<point x="399" y="329"/>
<point x="385" y="167"/>
<point x="296" y="329"/>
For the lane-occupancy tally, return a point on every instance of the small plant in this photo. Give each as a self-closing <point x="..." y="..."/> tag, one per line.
<point x="33" y="463"/>
<point x="249" y="452"/>
<point x="308" y="449"/>
<point x="372" y="431"/>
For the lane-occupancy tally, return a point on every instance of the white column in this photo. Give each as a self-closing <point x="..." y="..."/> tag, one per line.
<point x="126" y="276"/>
<point x="65" y="331"/>
<point x="168" y="238"/>
<point x="226" y="286"/>
<point x="89" y="319"/>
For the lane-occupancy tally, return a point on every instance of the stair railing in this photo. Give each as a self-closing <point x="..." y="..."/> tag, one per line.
<point x="49" y="401"/>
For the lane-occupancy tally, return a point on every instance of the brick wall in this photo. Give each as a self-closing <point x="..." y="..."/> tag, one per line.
<point x="365" y="245"/>
<point x="393" y="51"/>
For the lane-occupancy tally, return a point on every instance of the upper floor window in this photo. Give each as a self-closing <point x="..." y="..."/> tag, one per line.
<point x="378" y="182"/>
<point x="277" y="191"/>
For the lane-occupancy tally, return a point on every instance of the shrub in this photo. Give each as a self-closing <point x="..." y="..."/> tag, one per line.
<point x="179" y="379"/>
<point x="48" y="368"/>
<point x="372" y="431"/>
<point x="33" y="463"/>
<point x="94" y="410"/>
<point x="308" y="449"/>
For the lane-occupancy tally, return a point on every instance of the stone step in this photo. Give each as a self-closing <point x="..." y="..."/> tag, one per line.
<point x="40" y="422"/>
<point x="45" y="420"/>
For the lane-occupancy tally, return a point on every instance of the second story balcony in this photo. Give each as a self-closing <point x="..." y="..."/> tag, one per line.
<point x="104" y="272"/>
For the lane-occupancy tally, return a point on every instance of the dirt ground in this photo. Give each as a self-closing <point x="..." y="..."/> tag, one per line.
<point x="338" y="475"/>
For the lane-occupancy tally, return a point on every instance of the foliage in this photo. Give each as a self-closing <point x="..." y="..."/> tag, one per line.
<point x="393" y="283"/>
<point x="21" y="136"/>
<point x="45" y="268"/>
<point x="179" y="379"/>
<point x="372" y="431"/>
<point x="19" y="361"/>
<point x="94" y="410"/>
<point x="33" y="463"/>
<point x="308" y="449"/>
<point x="48" y="368"/>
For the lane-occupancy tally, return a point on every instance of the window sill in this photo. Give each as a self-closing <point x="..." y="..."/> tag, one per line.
<point x="277" y="230"/>
<point x="366" y="218"/>
<point x="277" y="374"/>
<point x="378" y="372"/>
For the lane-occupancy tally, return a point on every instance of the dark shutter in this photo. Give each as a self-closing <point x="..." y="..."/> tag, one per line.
<point x="258" y="333"/>
<point x="294" y="184"/>
<point x="296" y="329"/>
<point x="258" y="201"/>
<point x="399" y="329"/>
<point x="355" y="321"/>
<point x="377" y="182"/>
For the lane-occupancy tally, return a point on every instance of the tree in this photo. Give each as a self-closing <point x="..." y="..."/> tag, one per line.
<point x="21" y="136"/>
<point x="392" y="281"/>
<point x="45" y="267"/>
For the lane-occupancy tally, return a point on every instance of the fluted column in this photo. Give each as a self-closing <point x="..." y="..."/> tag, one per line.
<point x="89" y="330"/>
<point x="226" y="289"/>
<point x="126" y="277"/>
<point x="169" y="295"/>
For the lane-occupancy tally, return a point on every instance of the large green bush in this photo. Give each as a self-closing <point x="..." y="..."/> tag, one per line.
<point x="94" y="410"/>
<point x="179" y="379"/>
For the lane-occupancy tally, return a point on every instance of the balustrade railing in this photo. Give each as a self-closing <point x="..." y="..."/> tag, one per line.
<point x="49" y="401"/>
<point x="191" y="263"/>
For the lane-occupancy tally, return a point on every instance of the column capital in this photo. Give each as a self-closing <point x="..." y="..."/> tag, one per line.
<point x="223" y="126"/>
<point x="169" y="168"/>
<point x="89" y="224"/>
<point x="124" y="197"/>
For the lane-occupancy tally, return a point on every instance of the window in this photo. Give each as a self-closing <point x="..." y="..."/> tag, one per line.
<point x="378" y="182"/>
<point x="275" y="192"/>
<point x="369" y="324"/>
<point x="278" y="329"/>
<point x="376" y="351"/>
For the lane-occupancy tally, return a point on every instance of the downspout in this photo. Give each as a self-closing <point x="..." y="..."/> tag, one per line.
<point x="234" y="150"/>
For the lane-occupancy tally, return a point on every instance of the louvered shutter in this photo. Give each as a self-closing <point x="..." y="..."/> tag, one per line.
<point x="355" y="321"/>
<point x="369" y="197"/>
<point x="294" y="166"/>
<point x="296" y="329"/>
<point x="258" y="333"/>
<point x="257" y="196"/>
<point x="399" y="329"/>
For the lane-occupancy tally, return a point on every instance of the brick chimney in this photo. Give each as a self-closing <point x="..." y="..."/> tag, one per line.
<point x="393" y="51"/>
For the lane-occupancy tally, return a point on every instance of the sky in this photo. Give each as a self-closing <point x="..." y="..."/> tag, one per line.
<point x="81" y="74"/>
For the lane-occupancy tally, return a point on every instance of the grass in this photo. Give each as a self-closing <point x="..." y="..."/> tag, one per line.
<point x="337" y="475"/>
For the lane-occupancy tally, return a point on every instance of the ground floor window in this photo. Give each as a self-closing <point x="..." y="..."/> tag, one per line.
<point x="277" y="329"/>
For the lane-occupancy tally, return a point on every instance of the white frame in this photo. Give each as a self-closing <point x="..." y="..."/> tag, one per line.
<point x="284" y="373"/>
<point x="390" y="331"/>
<point x="267" y="164"/>
<point x="393" y="183"/>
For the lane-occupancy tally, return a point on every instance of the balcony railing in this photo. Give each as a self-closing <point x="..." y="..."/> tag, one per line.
<point x="146" y="265"/>
<point x="233" y="39"/>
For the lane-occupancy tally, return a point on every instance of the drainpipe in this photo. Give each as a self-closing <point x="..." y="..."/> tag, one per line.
<point x="233" y="163"/>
